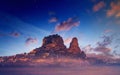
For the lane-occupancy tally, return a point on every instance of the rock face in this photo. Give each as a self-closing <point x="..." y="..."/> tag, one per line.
<point x="53" y="45"/>
<point x="53" y="42"/>
<point x="74" y="46"/>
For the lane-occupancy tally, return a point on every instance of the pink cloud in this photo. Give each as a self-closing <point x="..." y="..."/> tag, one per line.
<point x="15" y="34"/>
<point x="103" y="50"/>
<point x="31" y="41"/>
<point x="67" y="40"/>
<point x="67" y="25"/>
<point x="114" y="10"/>
<point x="53" y="19"/>
<point x="98" y="6"/>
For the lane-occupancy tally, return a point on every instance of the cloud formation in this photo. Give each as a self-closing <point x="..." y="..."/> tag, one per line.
<point x="98" y="6"/>
<point x="101" y="50"/>
<point x="53" y="19"/>
<point x="67" y="40"/>
<point x="15" y="34"/>
<point x="88" y="49"/>
<point x="67" y="25"/>
<point x="31" y="41"/>
<point x="102" y="46"/>
<point x="107" y="40"/>
<point x="114" y="10"/>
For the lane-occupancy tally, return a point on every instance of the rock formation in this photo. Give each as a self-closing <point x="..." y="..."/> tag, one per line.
<point x="74" y="46"/>
<point x="53" y="46"/>
<point x="53" y="42"/>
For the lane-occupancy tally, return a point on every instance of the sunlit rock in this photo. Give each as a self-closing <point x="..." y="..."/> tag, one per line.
<point x="74" y="46"/>
<point x="53" y="42"/>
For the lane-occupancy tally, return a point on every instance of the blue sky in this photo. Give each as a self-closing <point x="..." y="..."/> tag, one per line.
<point x="24" y="23"/>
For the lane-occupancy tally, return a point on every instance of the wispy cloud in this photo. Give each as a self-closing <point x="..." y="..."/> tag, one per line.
<point x="31" y="40"/>
<point x="67" y="25"/>
<point x="102" y="46"/>
<point x="114" y="10"/>
<point x="88" y="49"/>
<point x="101" y="50"/>
<point x="98" y="6"/>
<point x="107" y="40"/>
<point x="68" y="40"/>
<point x="53" y="19"/>
<point x="15" y="34"/>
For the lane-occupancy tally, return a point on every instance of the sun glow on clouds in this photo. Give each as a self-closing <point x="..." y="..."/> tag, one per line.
<point x="98" y="6"/>
<point x="68" y="40"/>
<point x="67" y="25"/>
<point x="114" y="10"/>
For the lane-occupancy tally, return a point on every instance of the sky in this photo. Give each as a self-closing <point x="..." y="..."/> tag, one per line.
<point x="24" y="23"/>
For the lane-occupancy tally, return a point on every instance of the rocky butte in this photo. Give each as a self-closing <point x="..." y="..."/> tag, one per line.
<point x="52" y="48"/>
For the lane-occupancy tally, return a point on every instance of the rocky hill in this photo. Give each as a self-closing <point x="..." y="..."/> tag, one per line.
<point x="52" y="48"/>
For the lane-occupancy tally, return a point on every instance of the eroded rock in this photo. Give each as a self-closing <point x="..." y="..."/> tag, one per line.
<point x="74" y="46"/>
